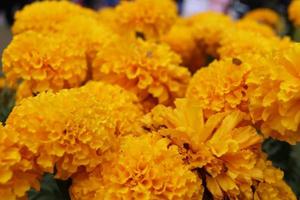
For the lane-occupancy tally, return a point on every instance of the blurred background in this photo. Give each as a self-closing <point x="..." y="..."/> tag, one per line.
<point x="282" y="154"/>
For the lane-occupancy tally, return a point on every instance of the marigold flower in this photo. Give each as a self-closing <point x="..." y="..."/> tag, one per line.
<point x="145" y="167"/>
<point x="220" y="86"/>
<point x="74" y="128"/>
<point x="294" y="12"/>
<point x="224" y="149"/>
<point x="149" y="17"/>
<point x="17" y="170"/>
<point x="236" y="42"/>
<point x="46" y="15"/>
<point x="253" y="26"/>
<point x="150" y="70"/>
<point x="273" y="92"/>
<point x="45" y="61"/>
<point x="264" y="15"/>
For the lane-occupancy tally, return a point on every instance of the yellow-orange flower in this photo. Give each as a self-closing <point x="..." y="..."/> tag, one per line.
<point x="294" y="12"/>
<point x="256" y="27"/>
<point x="74" y="128"/>
<point x="220" y="86"/>
<point x="145" y="167"/>
<point x="223" y="148"/>
<point x="149" y="17"/>
<point x="150" y="70"/>
<point x="45" y="61"/>
<point x="17" y="170"/>
<point x="46" y="15"/>
<point x="236" y="42"/>
<point x="264" y="15"/>
<point x="273" y="92"/>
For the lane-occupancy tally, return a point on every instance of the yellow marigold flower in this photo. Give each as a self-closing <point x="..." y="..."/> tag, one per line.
<point x="264" y="15"/>
<point x="17" y="171"/>
<point x="253" y="26"/>
<point x="149" y="17"/>
<point x="222" y="147"/>
<point x="220" y="86"/>
<point x="294" y="12"/>
<point x="46" y="15"/>
<point x="181" y="40"/>
<point x="208" y="29"/>
<point x="237" y="41"/>
<point x="45" y="61"/>
<point x="146" y="167"/>
<point x="273" y="92"/>
<point x="74" y="128"/>
<point x="150" y="70"/>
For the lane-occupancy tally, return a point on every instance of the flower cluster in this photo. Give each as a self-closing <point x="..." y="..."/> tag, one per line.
<point x="127" y="103"/>
<point x="294" y="12"/>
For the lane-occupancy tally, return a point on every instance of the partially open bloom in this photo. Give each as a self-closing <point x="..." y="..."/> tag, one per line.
<point x="17" y="169"/>
<point x="46" y="15"/>
<point x="149" y="17"/>
<point x="150" y="70"/>
<point x="294" y="12"/>
<point x="264" y="15"/>
<point x="46" y="62"/>
<point x="145" y="167"/>
<point x="74" y="128"/>
<point x="223" y="148"/>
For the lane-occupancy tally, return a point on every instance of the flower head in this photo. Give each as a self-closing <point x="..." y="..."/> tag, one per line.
<point x="150" y="70"/>
<point x="223" y="147"/>
<point x="44" y="16"/>
<point x="253" y="26"/>
<point x="45" y="61"/>
<point x="74" y="128"/>
<point x="145" y="167"/>
<point x="150" y="17"/>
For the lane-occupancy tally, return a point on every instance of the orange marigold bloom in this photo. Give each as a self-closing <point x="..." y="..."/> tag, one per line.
<point x="45" y="61"/>
<point x="237" y="42"/>
<point x="224" y="149"/>
<point x="145" y="167"/>
<point x="74" y="128"/>
<point x="150" y="70"/>
<point x="46" y="15"/>
<point x="264" y="15"/>
<point x="17" y="170"/>
<point x="253" y="26"/>
<point x="220" y="86"/>
<point x="273" y="92"/>
<point x="294" y="12"/>
<point x="150" y="17"/>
